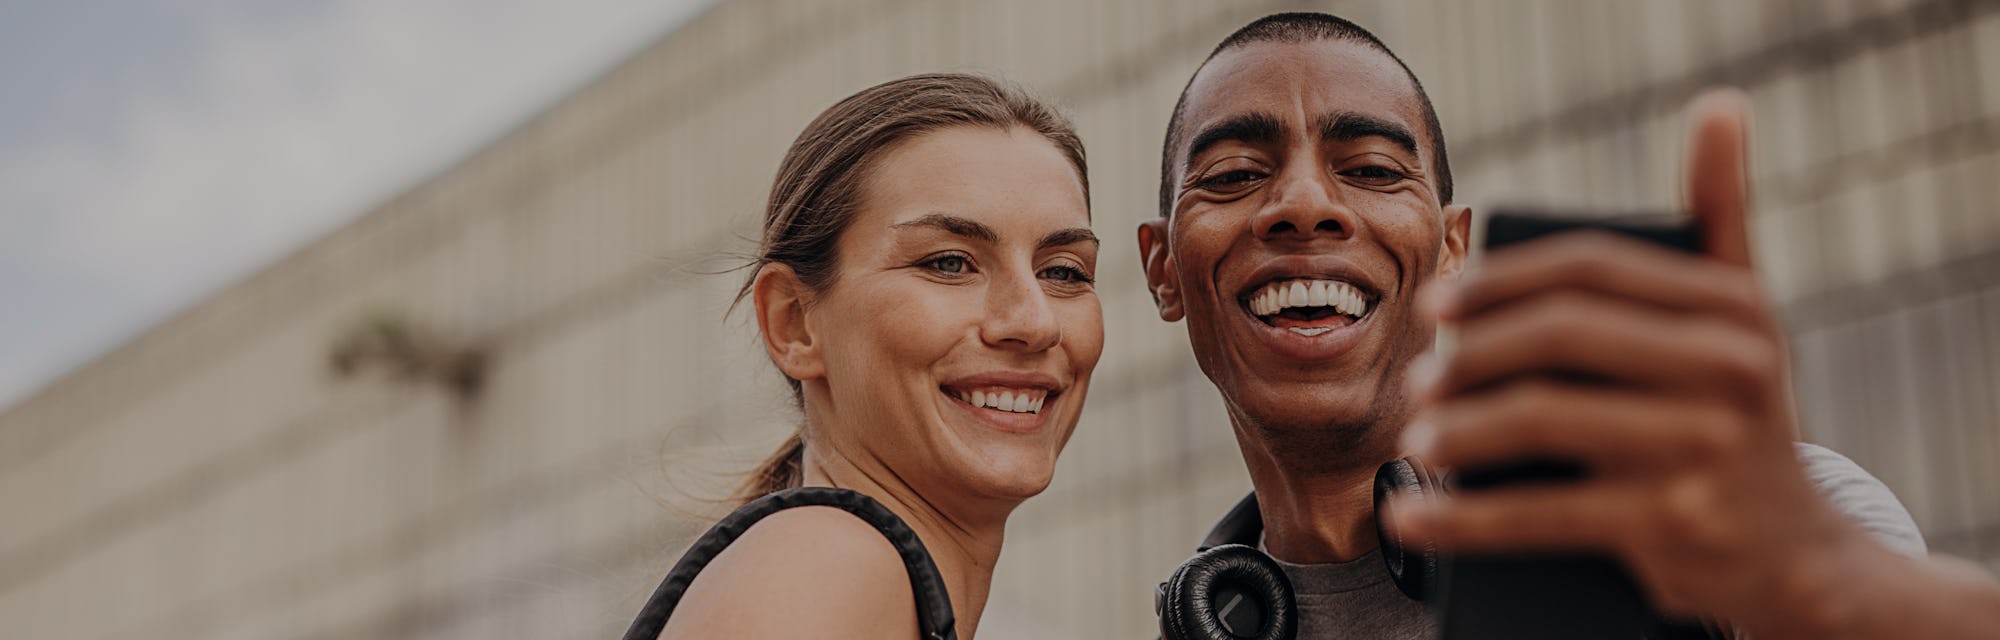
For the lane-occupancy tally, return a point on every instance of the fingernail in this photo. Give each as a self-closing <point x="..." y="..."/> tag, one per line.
<point x="1406" y="516"/>
<point x="1438" y="300"/>
<point x="1422" y="375"/>
<point x="1418" y="436"/>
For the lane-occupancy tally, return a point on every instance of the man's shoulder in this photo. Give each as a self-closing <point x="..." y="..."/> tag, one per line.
<point x="1862" y="497"/>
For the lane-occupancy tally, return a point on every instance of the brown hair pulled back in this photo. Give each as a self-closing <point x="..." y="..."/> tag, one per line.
<point x="819" y="188"/>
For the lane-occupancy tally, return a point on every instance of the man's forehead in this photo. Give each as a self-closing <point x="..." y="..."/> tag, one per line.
<point x="1301" y="79"/>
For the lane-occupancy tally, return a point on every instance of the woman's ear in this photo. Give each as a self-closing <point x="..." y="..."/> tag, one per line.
<point x="1157" y="262"/>
<point x="780" y="298"/>
<point x="1457" y="241"/>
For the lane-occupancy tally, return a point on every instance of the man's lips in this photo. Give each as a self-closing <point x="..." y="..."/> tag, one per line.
<point x="1308" y="308"/>
<point x="1309" y="268"/>
<point x="1308" y="294"/>
<point x="1307" y="335"/>
<point x="1307" y="300"/>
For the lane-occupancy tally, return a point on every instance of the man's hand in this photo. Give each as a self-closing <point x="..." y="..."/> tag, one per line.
<point x="1663" y="373"/>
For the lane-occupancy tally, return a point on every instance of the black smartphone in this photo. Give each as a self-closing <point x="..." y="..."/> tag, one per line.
<point x="1554" y="596"/>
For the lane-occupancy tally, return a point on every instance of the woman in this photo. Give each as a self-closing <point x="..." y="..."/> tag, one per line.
<point x="924" y="282"/>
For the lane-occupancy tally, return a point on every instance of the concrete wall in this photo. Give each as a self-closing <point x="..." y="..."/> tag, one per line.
<point x="212" y="478"/>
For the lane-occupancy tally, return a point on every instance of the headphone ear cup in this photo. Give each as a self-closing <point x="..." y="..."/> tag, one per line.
<point x="1413" y="567"/>
<point x="1228" y="592"/>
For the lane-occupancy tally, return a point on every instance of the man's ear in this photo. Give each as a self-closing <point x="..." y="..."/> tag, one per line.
<point x="1158" y="263"/>
<point x="780" y="298"/>
<point x="1457" y="241"/>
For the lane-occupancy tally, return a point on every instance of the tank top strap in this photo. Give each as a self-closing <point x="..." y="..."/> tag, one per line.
<point x="934" y="616"/>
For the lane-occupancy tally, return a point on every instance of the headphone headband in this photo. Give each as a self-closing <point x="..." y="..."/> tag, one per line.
<point x="1243" y="525"/>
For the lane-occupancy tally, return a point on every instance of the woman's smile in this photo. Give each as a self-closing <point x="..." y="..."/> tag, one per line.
<point x="1014" y="402"/>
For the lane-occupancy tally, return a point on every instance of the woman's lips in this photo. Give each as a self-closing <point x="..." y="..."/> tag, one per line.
<point x="1031" y="415"/>
<point x="1008" y="399"/>
<point x="1015" y="401"/>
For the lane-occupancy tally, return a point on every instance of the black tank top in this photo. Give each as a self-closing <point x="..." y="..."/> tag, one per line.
<point x="934" y="616"/>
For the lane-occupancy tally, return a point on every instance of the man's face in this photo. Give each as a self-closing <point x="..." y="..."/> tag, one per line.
<point x="1305" y="218"/>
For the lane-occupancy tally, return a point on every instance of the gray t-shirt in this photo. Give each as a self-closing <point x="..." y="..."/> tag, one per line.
<point x="1356" y="599"/>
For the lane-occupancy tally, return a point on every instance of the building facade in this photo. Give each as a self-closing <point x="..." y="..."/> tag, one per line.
<point x="218" y="477"/>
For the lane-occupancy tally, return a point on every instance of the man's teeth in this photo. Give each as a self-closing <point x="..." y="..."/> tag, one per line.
<point x="1010" y="400"/>
<point x="1279" y="296"/>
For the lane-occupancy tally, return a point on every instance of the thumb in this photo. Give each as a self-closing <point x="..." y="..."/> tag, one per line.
<point x="1718" y="172"/>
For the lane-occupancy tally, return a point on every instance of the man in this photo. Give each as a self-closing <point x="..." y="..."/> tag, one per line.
<point x="1306" y="200"/>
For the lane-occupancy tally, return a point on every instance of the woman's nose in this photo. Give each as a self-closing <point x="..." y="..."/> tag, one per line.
<point x="1019" y="316"/>
<point x="1306" y="208"/>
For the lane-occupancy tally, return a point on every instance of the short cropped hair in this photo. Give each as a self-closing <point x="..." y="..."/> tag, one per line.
<point x="1297" y="28"/>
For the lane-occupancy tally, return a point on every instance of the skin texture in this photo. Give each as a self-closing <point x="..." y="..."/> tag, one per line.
<point x="924" y="301"/>
<point x="1313" y="417"/>
<point x="1695" y="483"/>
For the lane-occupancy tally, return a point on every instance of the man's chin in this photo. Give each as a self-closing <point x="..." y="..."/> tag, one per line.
<point x="1325" y="422"/>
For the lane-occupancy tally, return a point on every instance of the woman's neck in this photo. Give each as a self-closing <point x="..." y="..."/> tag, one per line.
<point x="964" y="546"/>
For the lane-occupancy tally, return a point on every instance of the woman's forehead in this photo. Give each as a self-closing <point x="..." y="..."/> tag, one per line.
<point x="998" y="177"/>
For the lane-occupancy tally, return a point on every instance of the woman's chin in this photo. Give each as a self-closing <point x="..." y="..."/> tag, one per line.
<point x="1002" y="478"/>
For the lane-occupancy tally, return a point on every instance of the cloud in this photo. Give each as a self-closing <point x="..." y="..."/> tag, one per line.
<point x="284" y="127"/>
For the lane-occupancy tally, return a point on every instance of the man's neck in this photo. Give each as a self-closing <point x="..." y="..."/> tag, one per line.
<point x="1313" y="513"/>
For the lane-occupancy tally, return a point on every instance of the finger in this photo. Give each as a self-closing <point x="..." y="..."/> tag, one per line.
<point x="1718" y="182"/>
<point x="1607" y="429"/>
<point x="1610" y="264"/>
<point x="1597" y="337"/>
<point x="1538" y="517"/>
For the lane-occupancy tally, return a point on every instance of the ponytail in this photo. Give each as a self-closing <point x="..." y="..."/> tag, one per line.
<point x="783" y="470"/>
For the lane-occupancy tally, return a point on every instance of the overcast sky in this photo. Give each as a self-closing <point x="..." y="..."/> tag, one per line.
<point x="154" y="151"/>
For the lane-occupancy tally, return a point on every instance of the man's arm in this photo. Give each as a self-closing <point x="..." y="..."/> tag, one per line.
<point x="1689" y="430"/>
<point x="1952" y="586"/>
<point x="1870" y="591"/>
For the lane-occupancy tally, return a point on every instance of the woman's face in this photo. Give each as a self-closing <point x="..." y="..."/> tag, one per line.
<point x="962" y="325"/>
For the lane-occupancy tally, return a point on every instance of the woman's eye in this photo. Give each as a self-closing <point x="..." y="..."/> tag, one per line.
<point x="1066" y="274"/>
<point x="948" y="264"/>
<point x="1376" y="176"/>
<point x="1228" y="179"/>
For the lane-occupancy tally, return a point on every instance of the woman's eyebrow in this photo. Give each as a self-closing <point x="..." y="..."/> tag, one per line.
<point x="1072" y="235"/>
<point x="952" y="224"/>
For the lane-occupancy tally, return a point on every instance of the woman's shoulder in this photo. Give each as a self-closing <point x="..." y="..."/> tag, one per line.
<point x="802" y="572"/>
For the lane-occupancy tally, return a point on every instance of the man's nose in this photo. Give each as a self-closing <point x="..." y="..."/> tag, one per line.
<point x="1305" y="206"/>
<point x="1019" y="316"/>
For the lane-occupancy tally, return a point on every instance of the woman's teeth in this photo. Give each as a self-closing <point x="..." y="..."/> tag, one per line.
<point x="1339" y="296"/>
<point x="1010" y="400"/>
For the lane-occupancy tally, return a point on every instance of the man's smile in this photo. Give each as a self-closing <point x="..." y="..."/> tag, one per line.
<point x="1308" y="307"/>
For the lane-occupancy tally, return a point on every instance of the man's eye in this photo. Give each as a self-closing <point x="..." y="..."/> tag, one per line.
<point x="1066" y="274"/>
<point x="948" y="264"/>
<point x="1229" y="179"/>
<point x="1376" y="176"/>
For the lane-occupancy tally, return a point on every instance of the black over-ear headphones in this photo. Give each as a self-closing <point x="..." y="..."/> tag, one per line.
<point x="1231" y="591"/>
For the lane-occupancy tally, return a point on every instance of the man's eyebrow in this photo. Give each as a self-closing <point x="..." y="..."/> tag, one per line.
<point x="1251" y="128"/>
<point x="952" y="224"/>
<point x="1072" y="235"/>
<point x="1347" y="127"/>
